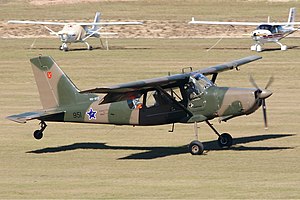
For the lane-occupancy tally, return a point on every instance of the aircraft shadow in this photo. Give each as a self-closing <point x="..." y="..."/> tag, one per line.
<point x="159" y="152"/>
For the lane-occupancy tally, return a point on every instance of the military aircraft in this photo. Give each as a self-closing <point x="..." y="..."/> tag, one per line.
<point x="189" y="97"/>
<point x="266" y="32"/>
<point x="74" y="32"/>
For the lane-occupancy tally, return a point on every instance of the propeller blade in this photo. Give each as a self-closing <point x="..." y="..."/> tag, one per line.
<point x="265" y="113"/>
<point x="252" y="81"/>
<point x="271" y="79"/>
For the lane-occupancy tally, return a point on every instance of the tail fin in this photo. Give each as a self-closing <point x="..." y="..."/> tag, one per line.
<point x="96" y="20"/>
<point x="292" y="16"/>
<point x="54" y="86"/>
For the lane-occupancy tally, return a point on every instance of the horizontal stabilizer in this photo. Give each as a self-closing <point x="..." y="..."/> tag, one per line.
<point x="24" y="117"/>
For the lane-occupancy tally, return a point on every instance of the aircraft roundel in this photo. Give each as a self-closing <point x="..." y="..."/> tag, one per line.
<point x="49" y="75"/>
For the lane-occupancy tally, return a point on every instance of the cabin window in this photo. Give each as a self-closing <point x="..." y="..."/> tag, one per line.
<point x="157" y="98"/>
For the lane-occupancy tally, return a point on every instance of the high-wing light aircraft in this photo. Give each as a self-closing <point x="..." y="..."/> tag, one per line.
<point x="189" y="97"/>
<point x="74" y="32"/>
<point x="265" y="32"/>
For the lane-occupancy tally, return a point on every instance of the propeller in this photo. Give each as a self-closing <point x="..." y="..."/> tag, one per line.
<point x="262" y="94"/>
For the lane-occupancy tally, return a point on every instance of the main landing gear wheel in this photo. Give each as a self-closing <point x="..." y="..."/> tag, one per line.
<point x="38" y="134"/>
<point x="225" y="140"/>
<point x="196" y="147"/>
<point x="64" y="47"/>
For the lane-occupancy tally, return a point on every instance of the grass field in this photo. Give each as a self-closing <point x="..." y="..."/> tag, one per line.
<point x="121" y="162"/>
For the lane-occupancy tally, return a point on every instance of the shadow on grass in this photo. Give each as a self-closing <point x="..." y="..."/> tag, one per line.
<point x="159" y="152"/>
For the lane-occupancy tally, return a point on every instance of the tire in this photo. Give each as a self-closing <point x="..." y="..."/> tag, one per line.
<point x="38" y="134"/>
<point x="196" y="147"/>
<point x="225" y="140"/>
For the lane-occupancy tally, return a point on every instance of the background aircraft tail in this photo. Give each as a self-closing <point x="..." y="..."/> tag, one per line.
<point x="96" y="20"/>
<point x="54" y="86"/>
<point x="292" y="16"/>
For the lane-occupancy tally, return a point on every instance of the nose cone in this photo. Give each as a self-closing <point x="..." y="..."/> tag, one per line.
<point x="265" y="94"/>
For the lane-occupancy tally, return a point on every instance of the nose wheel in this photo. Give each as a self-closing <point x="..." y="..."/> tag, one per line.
<point x="38" y="134"/>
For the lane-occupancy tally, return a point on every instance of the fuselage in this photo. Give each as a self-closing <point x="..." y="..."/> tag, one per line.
<point x="201" y="99"/>
<point x="72" y="33"/>
<point x="265" y="33"/>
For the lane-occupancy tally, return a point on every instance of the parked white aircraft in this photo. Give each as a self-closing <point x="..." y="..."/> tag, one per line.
<point x="265" y="32"/>
<point x="77" y="31"/>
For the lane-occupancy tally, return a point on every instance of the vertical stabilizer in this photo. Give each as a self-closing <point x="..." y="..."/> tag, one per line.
<point x="96" y="20"/>
<point x="54" y="86"/>
<point x="292" y="16"/>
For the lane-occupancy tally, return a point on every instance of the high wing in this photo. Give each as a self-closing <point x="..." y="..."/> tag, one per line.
<point x="227" y="66"/>
<point x="36" y="22"/>
<point x="242" y="23"/>
<point x="79" y="23"/>
<point x="123" y="91"/>
<point x="41" y="115"/>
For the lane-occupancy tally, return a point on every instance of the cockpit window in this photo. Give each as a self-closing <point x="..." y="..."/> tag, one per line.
<point x="203" y="81"/>
<point x="272" y="29"/>
<point x="264" y="27"/>
<point x="196" y="86"/>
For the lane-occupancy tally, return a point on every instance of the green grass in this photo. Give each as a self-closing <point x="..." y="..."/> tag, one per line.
<point x="122" y="162"/>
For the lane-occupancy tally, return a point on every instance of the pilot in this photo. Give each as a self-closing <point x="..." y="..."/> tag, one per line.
<point x="191" y="90"/>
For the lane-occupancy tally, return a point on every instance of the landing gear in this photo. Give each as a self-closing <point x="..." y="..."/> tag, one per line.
<point x="282" y="47"/>
<point x="197" y="148"/>
<point x="256" y="47"/>
<point x="38" y="134"/>
<point x="64" y="47"/>
<point x="88" y="46"/>
<point x="225" y="140"/>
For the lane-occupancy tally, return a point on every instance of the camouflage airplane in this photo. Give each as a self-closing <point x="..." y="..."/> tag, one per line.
<point x="266" y="32"/>
<point x="74" y="32"/>
<point x="189" y="97"/>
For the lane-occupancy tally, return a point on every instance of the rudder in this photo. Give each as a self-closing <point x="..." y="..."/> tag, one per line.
<point x="54" y="86"/>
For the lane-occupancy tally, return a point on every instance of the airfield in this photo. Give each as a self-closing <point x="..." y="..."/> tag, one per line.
<point x="81" y="161"/>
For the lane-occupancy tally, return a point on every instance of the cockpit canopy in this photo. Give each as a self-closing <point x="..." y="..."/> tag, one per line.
<point x="203" y="81"/>
<point x="272" y="29"/>
<point x="198" y="83"/>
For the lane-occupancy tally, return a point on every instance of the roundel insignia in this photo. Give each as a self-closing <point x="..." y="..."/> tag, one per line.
<point x="49" y="75"/>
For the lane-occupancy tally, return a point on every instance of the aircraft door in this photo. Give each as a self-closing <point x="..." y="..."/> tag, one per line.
<point x="160" y="109"/>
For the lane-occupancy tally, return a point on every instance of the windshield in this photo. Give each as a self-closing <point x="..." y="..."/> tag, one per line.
<point x="203" y="81"/>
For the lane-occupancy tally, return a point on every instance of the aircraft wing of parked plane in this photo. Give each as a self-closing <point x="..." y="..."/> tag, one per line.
<point x="242" y="23"/>
<point x="78" y="23"/>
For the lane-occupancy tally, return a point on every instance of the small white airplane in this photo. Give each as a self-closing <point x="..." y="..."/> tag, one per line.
<point x="265" y="32"/>
<point x="77" y="31"/>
